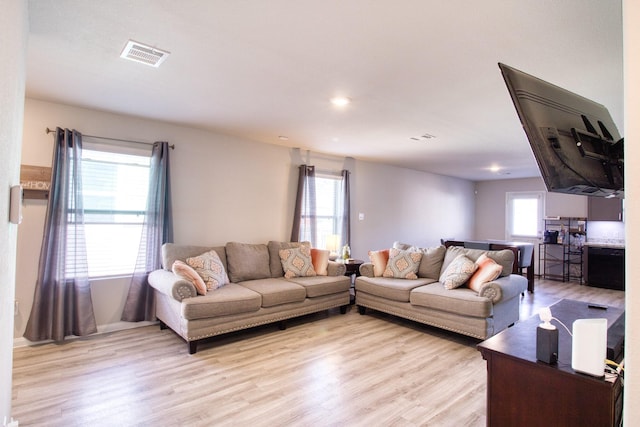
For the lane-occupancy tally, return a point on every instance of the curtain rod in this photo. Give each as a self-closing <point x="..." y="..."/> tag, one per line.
<point x="172" y="146"/>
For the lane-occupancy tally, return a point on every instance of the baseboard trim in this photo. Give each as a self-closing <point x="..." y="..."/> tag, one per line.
<point x="102" y="329"/>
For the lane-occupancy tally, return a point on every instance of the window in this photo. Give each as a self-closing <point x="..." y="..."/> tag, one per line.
<point x="115" y="184"/>
<point x="525" y="212"/>
<point x="329" y="211"/>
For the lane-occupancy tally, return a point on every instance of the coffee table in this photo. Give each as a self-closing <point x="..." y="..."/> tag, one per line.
<point x="523" y="391"/>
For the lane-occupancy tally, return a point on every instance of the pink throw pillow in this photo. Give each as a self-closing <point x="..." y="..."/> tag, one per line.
<point x="487" y="271"/>
<point x="186" y="272"/>
<point x="379" y="259"/>
<point x="320" y="261"/>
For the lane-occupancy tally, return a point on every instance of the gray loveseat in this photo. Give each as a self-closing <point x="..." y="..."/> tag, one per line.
<point x="479" y="314"/>
<point x="258" y="292"/>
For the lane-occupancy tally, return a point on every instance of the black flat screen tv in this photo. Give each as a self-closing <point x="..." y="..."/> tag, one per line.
<point x="574" y="140"/>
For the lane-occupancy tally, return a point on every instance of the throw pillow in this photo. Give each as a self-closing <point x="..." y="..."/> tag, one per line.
<point x="402" y="264"/>
<point x="320" y="261"/>
<point x="488" y="270"/>
<point x="210" y="268"/>
<point x="296" y="262"/>
<point x="379" y="259"/>
<point x="181" y="269"/>
<point x="458" y="272"/>
<point x="275" y="265"/>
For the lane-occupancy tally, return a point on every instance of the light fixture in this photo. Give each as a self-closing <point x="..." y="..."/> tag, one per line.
<point x="340" y="101"/>
<point x="422" y="137"/>
<point x="494" y="168"/>
<point x="332" y="242"/>
<point x="283" y="138"/>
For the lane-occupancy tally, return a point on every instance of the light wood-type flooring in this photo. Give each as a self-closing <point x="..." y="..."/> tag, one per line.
<point x="325" y="369"/>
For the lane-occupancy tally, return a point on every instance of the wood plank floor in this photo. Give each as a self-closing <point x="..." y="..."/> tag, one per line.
<point x="325" y="369"/>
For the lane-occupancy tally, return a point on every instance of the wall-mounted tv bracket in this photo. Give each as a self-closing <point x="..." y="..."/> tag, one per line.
<point x="610" y="153"/>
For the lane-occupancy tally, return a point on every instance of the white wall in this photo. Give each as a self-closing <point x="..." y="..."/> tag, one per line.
<point x="631" y="34"/>
<point x="225" y="189"/>
<point x="491" y="200"/>
<point x="13" y="33"/>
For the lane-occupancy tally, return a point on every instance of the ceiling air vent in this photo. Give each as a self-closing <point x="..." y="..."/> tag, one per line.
<point x="144" y="54"/>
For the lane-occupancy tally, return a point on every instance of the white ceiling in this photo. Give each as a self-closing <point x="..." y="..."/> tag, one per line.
<point x="264" y="68"/>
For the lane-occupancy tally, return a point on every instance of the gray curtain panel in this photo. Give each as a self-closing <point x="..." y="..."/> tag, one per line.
<point x="305" y="203"/>
<point x="157" y="229"/>
<point x="346" y="208"/>
<point x="62" y="303"/>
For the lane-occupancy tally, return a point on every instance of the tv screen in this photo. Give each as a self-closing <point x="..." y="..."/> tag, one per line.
<point x="574" y="140"/>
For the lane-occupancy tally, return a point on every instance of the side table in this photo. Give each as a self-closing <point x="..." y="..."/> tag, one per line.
<point x="353" y="271"/>
<point x="521" y="391"/>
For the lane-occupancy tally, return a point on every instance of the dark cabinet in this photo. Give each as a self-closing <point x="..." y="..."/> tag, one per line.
<point x="605" y="267"/>
<point x="602" y="209"/>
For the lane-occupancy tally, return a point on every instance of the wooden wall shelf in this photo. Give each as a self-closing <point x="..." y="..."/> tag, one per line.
<point x="35" y="181"/>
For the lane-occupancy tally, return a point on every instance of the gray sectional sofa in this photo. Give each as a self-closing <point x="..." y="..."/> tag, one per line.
<point x="258" y="292"/>
<point x="477" y="313"/>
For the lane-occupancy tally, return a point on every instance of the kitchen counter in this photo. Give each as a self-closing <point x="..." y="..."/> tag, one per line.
<point x="605" y="245"/>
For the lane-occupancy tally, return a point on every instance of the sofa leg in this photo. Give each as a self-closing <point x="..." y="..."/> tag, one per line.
<point x="362" y="310"/>
<point x="343" y="309"/>
<point x="193" y="347"/>
<point x="163" y="325"/>
<point x="282" y="325"/>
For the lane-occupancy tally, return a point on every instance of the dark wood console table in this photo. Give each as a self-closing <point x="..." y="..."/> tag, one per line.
<point x="522" y="391"/>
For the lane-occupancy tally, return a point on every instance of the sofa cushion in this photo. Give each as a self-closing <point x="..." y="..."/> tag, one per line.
<point x="228" y="300"/>
<point x="402" y="264"/>
<point x="275" y="265"/>
<point x="390" y="288"/>
<point x="462" y="301"/>
<point x="276" y="291"/>
<point x="174" y="251"/>
<point x="318" y="286"/>
<point x="487" y="271"/>
<point x="431" y="263"/>
<point x="209" y="266"/>
<point x="296" y="262"/>
<point x="457" y="272"/>
<point x="185" y="271"/>
<point x="247" y="261"/>
<point x="320" y="261"/>
<point x="379" y="259"/>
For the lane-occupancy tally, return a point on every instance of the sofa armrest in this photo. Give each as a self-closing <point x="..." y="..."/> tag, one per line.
<point x="366" y="269"/>
<point x="172" y="285"/>
<point x="491" y="290"/>
<point x="504" y="288"/>
<point x="336" y="269"/>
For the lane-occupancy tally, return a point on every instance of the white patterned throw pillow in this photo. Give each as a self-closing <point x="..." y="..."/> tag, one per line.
<point x="458" y="272"/>
<point x="402" y="264"/>
<point x="296" y="262"/>
<point x="209" y="267"/>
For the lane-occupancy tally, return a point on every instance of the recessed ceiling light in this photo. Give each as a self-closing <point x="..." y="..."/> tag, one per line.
<point x="283" y="138"/>
<point x="494" y="168"/>
<point x="340" y="101"/>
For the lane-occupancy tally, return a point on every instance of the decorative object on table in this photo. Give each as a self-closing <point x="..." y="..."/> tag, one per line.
<point x="332" y="243"/>
<point x="346" y="252"/>
<point x="546" y="339"/>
